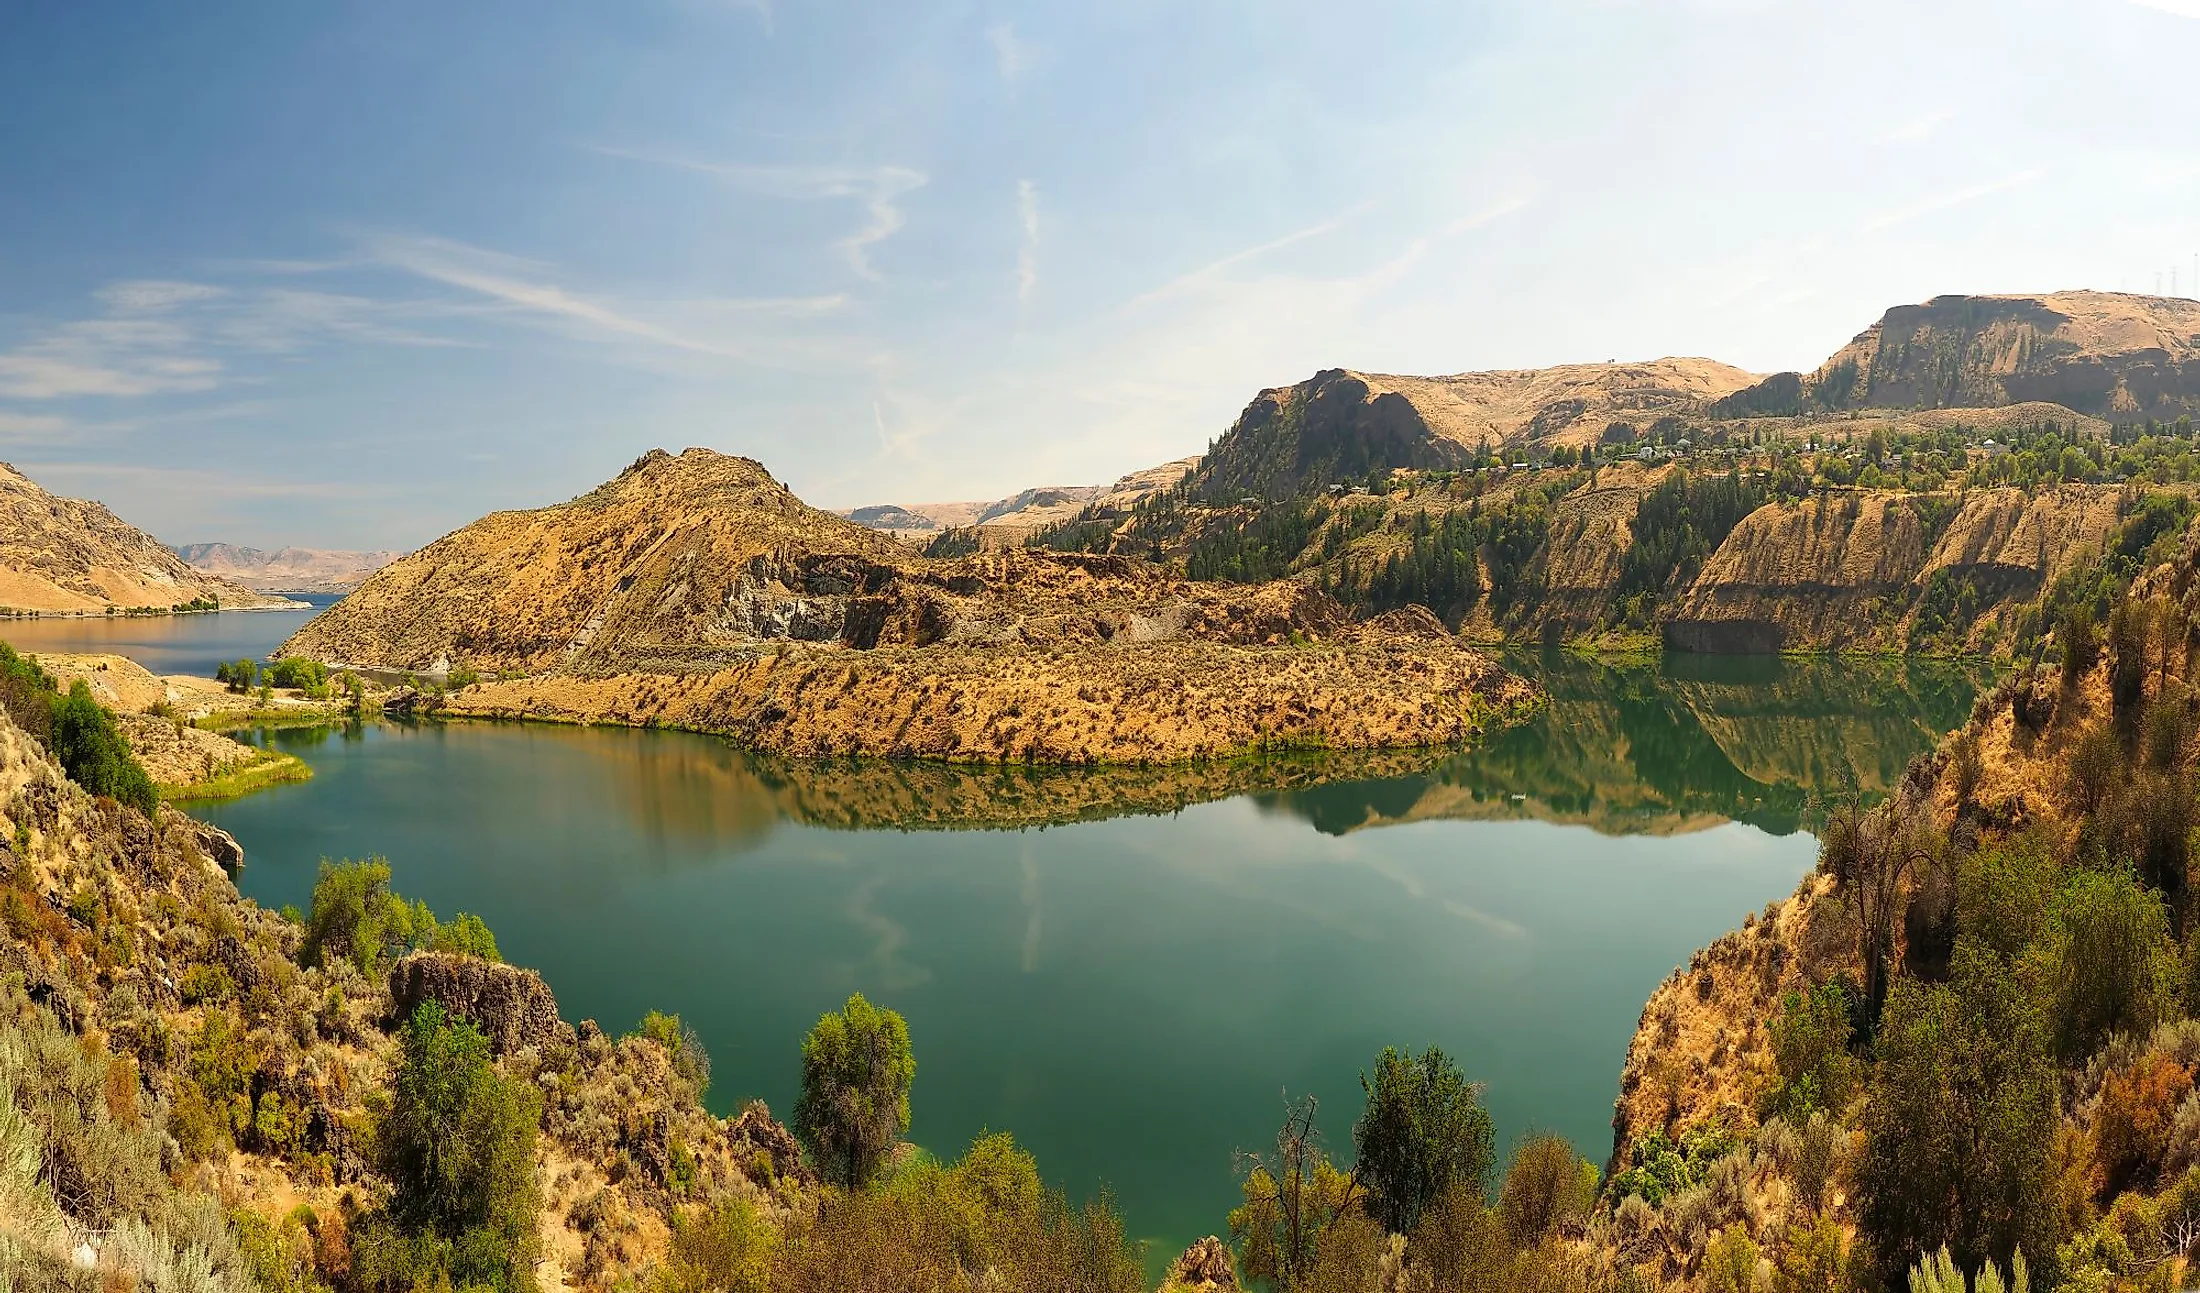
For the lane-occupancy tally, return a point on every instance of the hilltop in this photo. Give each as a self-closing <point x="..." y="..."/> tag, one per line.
<point x="1339" y="425"/>
<point x="2110" y="355"/>
<point x="68" y="556"/>
<point x="286" y="570"/>
<point x="698" y="591"/>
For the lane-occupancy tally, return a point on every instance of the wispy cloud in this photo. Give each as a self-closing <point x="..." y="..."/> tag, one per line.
<point x="197" y="482"/>
<point x="1943" y="201"/>
<point x="1216" y="270"/>
<point x="878" y="188"/>
<point x="1917" y="129"/>
<point x="31" y="426"/>
<point x="2182" y="8"/>
<point x="173" y="336"/>
<point x="750" y="330"/>
<point x="1027" y="252"/>
<point x="1011" y="55"/>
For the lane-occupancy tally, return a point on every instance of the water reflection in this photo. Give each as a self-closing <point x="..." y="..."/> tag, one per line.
<point x="1651" y="747"/>
<point x="1664" y="747"/>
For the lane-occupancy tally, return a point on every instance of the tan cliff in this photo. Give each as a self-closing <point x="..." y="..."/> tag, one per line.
<point x="696" y="591"/>
<point x="2106" y="354"/>
<point x="67" y="556"/>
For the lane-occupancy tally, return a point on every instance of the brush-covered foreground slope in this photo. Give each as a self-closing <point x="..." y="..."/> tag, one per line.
<point x="2107" y="354"/>
<point x="1977" y="1025"/>
<point x="69" y="556"/>
<point x="175" y="1083"/>
<point x="697" y="591"/>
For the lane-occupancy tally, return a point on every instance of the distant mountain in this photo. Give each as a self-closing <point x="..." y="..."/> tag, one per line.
<point x="70" y="556"/>
<point x="1024" y="511"/>
<point x="2107" y="354"/>
<point x="287" y="570"/>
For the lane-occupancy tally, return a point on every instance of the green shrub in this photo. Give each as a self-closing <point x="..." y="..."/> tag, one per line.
<point x="94" y="754"/>
<point x="355" y="917"/>
<point x="2113" y="967"/>
<point x="1547" y="1187"/>
<point x="1810" y="1043"/>
<point x="465" y="935"/>
<point x="458" y="1149"/>
<point x="856" y="1069"/>
<point x="298" y="672"/>
<point x="1962" y="1118"/>
<point x="689" y="1060"/>
<point x="240" y="676"/>
<point x="1424" y="1127"/>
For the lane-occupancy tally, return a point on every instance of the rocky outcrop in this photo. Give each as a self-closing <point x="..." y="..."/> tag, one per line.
<point x="2108" y="354"/>
<point x="220" y="847"/>
<point x="512" y="1006"/>
<point x="73" y="557"/>
<point x="1339" y="425"/>
<point x="1205" y="1267"/>
<point x="759" y="1140"/>
<point x="1802" y="574"/>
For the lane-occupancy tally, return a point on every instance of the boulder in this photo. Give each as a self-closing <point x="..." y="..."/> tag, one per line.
<point x="220" y="847"/>
<point x="1205" y="1267"/>
<point x="756" y="1138"/>
<point x="511" y="1006"/>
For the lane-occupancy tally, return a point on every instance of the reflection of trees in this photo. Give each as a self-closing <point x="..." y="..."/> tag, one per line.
<point x="1675" y="745"/>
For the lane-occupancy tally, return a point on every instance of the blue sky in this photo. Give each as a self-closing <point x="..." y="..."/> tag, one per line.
<point x="351" y="275"/>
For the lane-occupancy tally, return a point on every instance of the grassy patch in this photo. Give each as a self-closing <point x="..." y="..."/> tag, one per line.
<point x="265" y="768"/>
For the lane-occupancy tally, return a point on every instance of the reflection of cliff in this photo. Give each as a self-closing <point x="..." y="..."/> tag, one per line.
<point x="693" y="788"/>
<point x="1673" y="747"/>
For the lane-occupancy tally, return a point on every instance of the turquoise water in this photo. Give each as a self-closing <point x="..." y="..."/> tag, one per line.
<point x="1132" y="995"/>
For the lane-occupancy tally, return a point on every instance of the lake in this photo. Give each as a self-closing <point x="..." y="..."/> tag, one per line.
<point x="168" y="643"/>
<point x="1130" y="969"/>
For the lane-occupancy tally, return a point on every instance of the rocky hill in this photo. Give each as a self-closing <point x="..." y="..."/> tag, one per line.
<point x="2107" y="354"/>
<point x="698" y="591"/>
<point x="68" y="556"/>
<point x="1339" y="425"/>
<point x="286" y="570"/>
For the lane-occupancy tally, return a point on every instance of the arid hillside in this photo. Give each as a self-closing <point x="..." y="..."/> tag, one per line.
<point x="287" y="570"/>
<point x="1339" y="425"/>
<point x="2107" y="354"/>
<point x="70" y="556"/>
<point x="697" y="591"/>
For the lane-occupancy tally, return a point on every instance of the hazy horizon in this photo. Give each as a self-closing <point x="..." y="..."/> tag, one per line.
<point x="350" y="277"/>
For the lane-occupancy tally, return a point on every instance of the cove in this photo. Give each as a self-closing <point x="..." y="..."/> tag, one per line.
<point x="1130" y="970"/>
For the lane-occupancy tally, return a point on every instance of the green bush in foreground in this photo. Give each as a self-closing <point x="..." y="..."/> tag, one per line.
<point x="458" y="1149"/>
<point x="856" y="1071"/>
<point x="357" y="918"/>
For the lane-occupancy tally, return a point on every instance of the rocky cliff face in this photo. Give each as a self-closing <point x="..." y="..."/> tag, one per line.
<point x="2109" y="354"/>
<point x="1847" y="571"/>
<point x="69" y="556"/>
